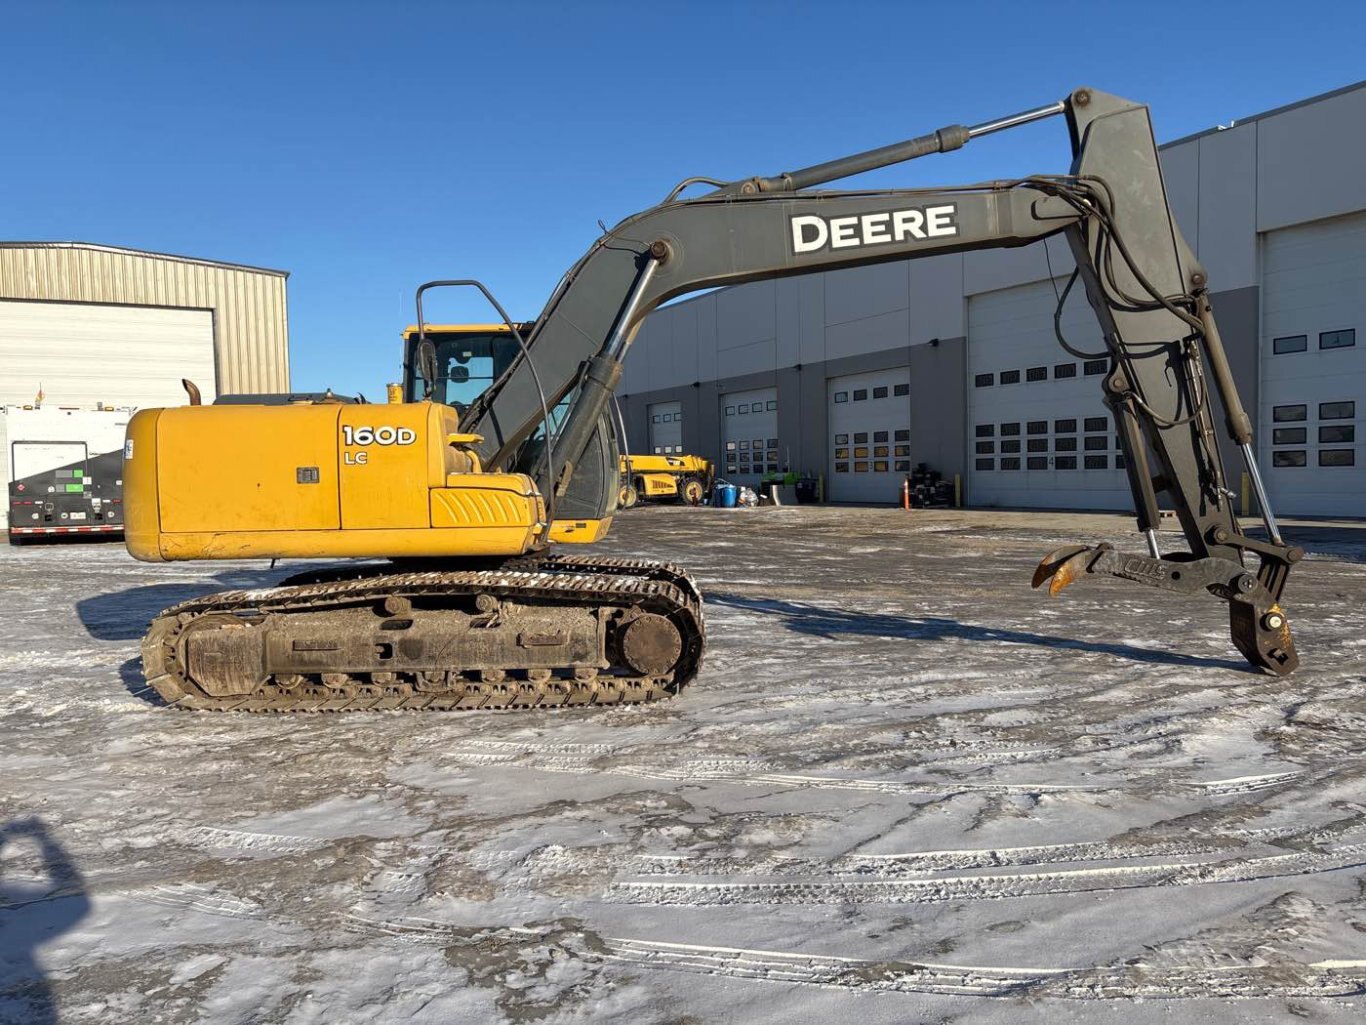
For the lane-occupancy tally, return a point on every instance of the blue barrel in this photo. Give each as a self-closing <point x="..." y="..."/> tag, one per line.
<point x="724" y="496"/>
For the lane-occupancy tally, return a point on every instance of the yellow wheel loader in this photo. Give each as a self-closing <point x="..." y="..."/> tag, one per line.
<point x="504" y="457"/>
<point x="686" y="479"/>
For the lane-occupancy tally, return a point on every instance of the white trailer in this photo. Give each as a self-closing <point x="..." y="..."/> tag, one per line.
<point x="64" y="470"/>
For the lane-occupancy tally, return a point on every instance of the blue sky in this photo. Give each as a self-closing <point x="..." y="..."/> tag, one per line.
<point x="367" y="147"/>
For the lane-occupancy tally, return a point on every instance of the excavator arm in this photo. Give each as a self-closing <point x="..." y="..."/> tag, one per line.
<point x="1148" y="291"/>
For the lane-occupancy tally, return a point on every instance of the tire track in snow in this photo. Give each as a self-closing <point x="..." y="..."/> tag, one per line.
<point x="1326" y="978"/>
<point x="215" y="838"/>
<point x="1132" y="981"/>
<point x="755" y="773"/>
<point x="190" y="897"/>
<point x="989" y="886"/>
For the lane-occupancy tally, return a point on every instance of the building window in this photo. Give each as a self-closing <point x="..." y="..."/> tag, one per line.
<point x="902" y="435"/>
<point x="841" y="396"/>
<point x="656" y="418"/>
<point x="901" y="389"/>
<point x="1119" y="461"/>
<point x="861" y="453"/>
<point x="880" y="392"/>
<point x="1095" y="366"/>
<point x="1010" y="464"/>
<point x="1036" y="463"/>
<point x="1038" y="445"/>
<point x="841" y="467"/>
<point x="759" y="444"/>
<point x="841" y="439"/>
<point x="880" y="466"/>
<point x="860" y="394"/>
<point x="1289" y="436"/>
<point x="1011" y="445"/>
<point x="841" y="453"/>
<point x="744" y="407"/>
<point x="1097" y="443"/>
<point x="1064" y="444"/>
<point x="1037" y="427"/>
<point x="1290" y="343"/>
<point x="1337" y="457"/>
<point x="861" y="438"/>
<point x="1064" y="370"/>
<point x="903" y="466"/>
<point x="1337" y="434"/>
<point x="1096" y="423"/>
<point x="771" y="405"/>
<point x="880" y="451"/>
<point x="1338" y="339"/>
<point x="984" y="380"/>
<point x="1010" y="429"/>
<point x="1293" y="457"/>
<point x="1065" y="463"/>
<point x="1036" y="374"/>
<point x="879" y="436"/>
<point x="1285" y="414"/>
<point x="986" y="447"/>
<point x="986" y="430"/>
<point x="745" y="445"/>
<point x="1010" y="377"/>
<point x="1337" y="410"/>
<point x="1064" y="426"/>
<point x="772" y="442"/>
<point x="861" y="467"/>
<point x="1096" y="462"/>
<point x="730" y="411"/>
<point x="986" y="464"/>
<point x="901" y="450"/>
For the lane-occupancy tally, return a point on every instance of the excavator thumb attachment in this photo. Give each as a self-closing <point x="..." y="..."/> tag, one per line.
<point x="1258" y="627"/>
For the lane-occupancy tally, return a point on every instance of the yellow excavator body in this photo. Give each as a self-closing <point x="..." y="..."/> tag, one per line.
<point x="323" y="481"/>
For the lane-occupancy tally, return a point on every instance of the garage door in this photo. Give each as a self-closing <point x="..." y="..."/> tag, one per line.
<point x="82" y="354"/>
<point x="1041" y="437"/>
<point x="870" y="436"/>
<point x="666" y="428"/>
<point x="1313" y="365"/>
<point x="749" y="435"/>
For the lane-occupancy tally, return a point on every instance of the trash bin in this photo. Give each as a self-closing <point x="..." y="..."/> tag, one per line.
<point x="724" y="496"/>
<point x="806" y="489"/>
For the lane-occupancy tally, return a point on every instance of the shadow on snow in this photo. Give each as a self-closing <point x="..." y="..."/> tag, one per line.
<point x="819" y="621"/>
<point x="33" y="911"/>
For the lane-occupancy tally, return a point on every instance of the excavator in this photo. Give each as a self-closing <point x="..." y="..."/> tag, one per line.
<point x="468" y="516"/>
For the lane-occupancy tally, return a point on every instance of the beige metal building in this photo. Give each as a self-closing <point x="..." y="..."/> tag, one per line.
<point x="85" y="325"/>
<point x="92" y="323"/>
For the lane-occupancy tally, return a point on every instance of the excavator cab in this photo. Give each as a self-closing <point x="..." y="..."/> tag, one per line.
<point x="467" y="359"/>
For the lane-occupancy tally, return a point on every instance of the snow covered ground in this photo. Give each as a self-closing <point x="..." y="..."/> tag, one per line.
<point x="904" y="788"/>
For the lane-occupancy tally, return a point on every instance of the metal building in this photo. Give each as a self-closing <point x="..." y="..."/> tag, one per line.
<point x="951" y="360"/>
<point x="83" y="325"/>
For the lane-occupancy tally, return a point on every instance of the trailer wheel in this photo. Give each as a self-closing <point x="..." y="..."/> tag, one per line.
<point x="628" y="497"/>
<point x="692" y="490"/>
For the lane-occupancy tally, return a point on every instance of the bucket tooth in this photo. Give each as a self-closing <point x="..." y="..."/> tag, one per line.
<point x="1052" y="563"/>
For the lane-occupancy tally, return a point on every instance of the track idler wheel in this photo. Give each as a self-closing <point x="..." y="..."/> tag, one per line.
<point x="650" y="644"/>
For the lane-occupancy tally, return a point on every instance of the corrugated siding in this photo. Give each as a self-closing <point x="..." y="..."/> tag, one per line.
<point x="251" y="338"/>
